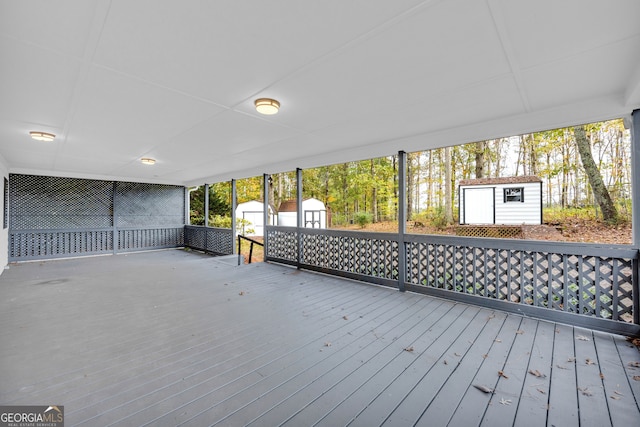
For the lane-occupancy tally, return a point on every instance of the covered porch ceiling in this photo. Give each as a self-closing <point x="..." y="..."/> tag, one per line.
<point x="176" y="80"/>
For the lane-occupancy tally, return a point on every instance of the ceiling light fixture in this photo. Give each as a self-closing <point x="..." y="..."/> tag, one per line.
<point x="267" y="106"/>
<point x="42" y="136"/>
<point x="148" y="161"/>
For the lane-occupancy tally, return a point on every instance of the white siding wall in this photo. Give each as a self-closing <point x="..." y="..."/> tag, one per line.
<point x="527" y="212"/>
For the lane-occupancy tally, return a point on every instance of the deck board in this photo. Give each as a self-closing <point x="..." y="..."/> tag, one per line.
<point x="177" y="338"/>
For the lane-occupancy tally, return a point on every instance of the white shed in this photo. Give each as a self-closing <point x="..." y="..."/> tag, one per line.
<point x="314" y="214"/>
<point x="253" y="213"/>
<point x="508" y="200"/>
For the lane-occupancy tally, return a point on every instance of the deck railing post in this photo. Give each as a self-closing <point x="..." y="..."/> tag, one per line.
<point x="299" y="215"/>
<point x="635" y="209"/>
<point x="265" y="213"/>
<point x="234" y="205"/>
<point x="402" y="220"/>
<point x="206" y="205"/>
<point x="114" y="218"/>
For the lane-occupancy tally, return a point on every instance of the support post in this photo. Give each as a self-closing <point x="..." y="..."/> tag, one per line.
<point x="635" y="209"/>
<point x="299" y="215"/>
<point x="206" y="205"/>
<point x="114" y="218"/>
<point x="635" y="177"/>
<point x="265" y="214"/>
<point x="402" y="220"/>
<point x="234" y="205"/>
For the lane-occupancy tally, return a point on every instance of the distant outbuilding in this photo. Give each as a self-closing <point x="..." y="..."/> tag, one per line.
<point x="253" y="214"/>
<point x="507" y="200"/>
<point x="314" y="213"/>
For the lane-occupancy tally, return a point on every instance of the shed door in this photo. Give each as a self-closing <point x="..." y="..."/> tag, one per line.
<point x="479" y="206"/>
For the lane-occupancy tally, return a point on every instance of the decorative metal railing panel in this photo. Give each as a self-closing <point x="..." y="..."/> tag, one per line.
<point x="35" y="244"/>
<point x="582" y="279"/>
<point x="367" y="254"/>
<point x="209" y="239"/>
<point x="150" y="238"/>
<point x="282" y="243"/>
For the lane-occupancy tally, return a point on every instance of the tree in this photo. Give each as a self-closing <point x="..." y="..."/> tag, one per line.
<point x="448" y="206"/>
<point x="600" y="192"/>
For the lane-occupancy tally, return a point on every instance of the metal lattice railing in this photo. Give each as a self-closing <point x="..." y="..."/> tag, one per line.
<point x="209" y="239"/>
<point x="369" y="254"/>
<point x="283" y="243"/>
<point x="148" y="238"/>
<point x="581" y="279"/>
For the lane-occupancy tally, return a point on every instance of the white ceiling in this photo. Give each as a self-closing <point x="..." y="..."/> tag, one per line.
<point x="175" y="80"/>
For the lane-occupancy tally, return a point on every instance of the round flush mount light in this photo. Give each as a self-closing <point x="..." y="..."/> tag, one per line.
<point x="42" y="136"/>
<point x="267" y="106"/>
<point x="148" y="161"/>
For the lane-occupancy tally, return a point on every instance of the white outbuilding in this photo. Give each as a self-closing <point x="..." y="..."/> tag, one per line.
<point x="252" y="213"/>
<point x="508" y="200"/>
<point x="314" y="214"/>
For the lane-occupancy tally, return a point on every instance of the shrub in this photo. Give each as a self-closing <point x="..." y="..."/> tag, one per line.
<point x="362" y="218"/>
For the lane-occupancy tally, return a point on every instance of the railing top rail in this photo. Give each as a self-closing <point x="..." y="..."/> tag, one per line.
<point x="202" y="227"/>
<point x="240" y="236"/>
<point x="339" y="233"/>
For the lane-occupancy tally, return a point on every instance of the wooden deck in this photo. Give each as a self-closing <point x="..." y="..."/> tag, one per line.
<point x="178" y="338"/>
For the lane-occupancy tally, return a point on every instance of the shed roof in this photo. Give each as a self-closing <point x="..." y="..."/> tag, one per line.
<point x="501" y="180"/>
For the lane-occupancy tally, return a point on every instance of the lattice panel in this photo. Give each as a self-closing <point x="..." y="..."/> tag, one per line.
<point x="282" y="245"/>
<point x="45" y="203"/>
<point x="590" y="285"/>
<point x="219" y="241"/>
<point x="149" y="205"/>
<point x="361" y="255"/>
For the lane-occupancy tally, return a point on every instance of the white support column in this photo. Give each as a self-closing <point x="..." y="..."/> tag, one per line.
<point x="234" y="205"/>
<point x="402" y="219"/>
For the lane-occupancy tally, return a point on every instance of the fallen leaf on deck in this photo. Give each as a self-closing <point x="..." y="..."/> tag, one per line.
<point x="615" y="397"/>
<point x="561" y="367"/>
<point x="408" y="349"/>
<point x="498" y="340"/>
<point x="456" y="354"/>
<point x="345" y="317"/>
<point x="445" y="362"/>
<point x="601" y="376"/>
<point x="241" y="293"/>
<point x="634" y="364"/>
<point x="519" y="332"/>
<point x="484" y="356"/>
<point x="501" y="374"/>
<point x="541" y="391"/>
<point x="483" y="389"/>
<point x="618" y="393"/>
<point x="505" y="402"/>
<point x="571" y="359"/>
<point x="327" y="344"/>
<point x="589" y="362"/>
<point x="585" y="391"/>
<point x="537" y="373"/>
<point x="636" y="377"/>
<point x="583" y="338"/>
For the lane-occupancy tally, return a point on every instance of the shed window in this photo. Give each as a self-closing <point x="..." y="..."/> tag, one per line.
<point x="513" y="194"/>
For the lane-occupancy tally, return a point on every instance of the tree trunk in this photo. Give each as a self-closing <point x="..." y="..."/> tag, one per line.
<point x="448" y="205"/>
<point x="480" y="159"/>
<point x="600" y="192"/>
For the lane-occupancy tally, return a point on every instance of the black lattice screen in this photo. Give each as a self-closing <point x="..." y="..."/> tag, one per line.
<point x="45" y="203"/>
<point x="56" y="217"/>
